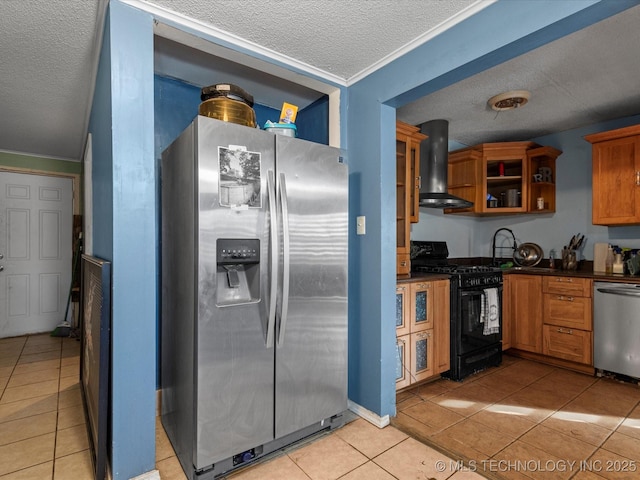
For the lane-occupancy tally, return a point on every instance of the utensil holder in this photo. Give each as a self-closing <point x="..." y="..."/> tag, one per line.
<point x="569" y="261"/>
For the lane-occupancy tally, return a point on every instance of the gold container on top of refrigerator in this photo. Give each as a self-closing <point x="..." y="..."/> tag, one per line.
<point x="229" y="103"/>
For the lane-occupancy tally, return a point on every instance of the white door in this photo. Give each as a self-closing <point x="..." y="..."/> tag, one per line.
<point x="35" y="252"/>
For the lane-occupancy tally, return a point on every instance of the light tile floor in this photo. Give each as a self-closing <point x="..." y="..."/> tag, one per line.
<point x="526" y="420"/>
<point x="42" y="430"/>
<point x="539" y="416"/>
<point x="357" y="451"/>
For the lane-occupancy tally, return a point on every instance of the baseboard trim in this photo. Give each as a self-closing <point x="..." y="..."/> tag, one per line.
<point x="368" y="415"/>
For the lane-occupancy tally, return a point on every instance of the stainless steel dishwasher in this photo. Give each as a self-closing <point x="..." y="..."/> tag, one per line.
<point x="616" y="328"/>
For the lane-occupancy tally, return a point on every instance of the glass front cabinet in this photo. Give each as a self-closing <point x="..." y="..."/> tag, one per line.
<point x="408" y="140"/>
<point x="421" y="355"/>
<point x="504" y="178"/>
<point x="422" y="320"/>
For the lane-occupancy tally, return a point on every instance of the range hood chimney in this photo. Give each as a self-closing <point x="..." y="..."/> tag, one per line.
<point x="434" y="156"/>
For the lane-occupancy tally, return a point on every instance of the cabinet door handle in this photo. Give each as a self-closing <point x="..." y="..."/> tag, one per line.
<point x="419" y="178"/>
<point x="563" y="298"/>
<point x="567" y="280"/>
<point x="637" y="177"/>
<point x="423" y="335"/>
<point x="403" y="263"/>
<point x="567" y="331"/>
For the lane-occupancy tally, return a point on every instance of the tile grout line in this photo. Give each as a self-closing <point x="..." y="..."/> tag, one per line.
<point x="55" y="439"/>
<point x="13" y="369"/>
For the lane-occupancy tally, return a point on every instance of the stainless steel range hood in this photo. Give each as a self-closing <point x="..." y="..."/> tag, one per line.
<point x="434" y="155"/>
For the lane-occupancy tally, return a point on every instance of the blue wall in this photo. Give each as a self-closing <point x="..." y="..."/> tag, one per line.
<point x="124" y="224"/>
<point x="468" y="48"/>
<point x="100" y="129"/>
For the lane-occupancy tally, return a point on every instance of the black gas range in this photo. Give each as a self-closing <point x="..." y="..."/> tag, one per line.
<point x="476" y="308"/>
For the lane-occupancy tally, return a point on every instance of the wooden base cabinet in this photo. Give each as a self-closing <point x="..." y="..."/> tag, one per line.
<point x="421" y="355"/>
<point x="525" y="311"/>
<point x="403" y="373"/>
<point x="568" y="318"/>
<point x="403" y="315"/>
<point x="442" y="326"/>
<point x="506" y="312"/>
<point x="423" y="332"/>
<point x="551" y="319"/>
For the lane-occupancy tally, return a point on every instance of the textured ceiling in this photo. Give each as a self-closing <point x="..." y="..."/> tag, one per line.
<point x="341" y="37"/>
<point x="584" y="78"/>
<point x="49" y="56"/>
<point x="46" y="74"/>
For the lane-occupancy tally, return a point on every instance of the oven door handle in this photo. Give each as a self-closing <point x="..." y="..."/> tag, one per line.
<point x="469" y="293"/>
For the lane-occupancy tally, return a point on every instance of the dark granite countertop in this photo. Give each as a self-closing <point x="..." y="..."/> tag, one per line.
<point x="583" y="273"/>
<point x="418" y="276"/>
<point x="585" y="270"/>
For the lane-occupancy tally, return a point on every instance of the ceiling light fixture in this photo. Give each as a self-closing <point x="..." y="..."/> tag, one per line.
<point x="509" y="100"/>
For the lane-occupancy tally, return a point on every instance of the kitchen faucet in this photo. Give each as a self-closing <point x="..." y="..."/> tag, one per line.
<point x="493" y="244"/>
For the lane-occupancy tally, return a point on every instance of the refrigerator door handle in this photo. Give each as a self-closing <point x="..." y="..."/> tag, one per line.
<point x="286" y="269"/>
<point x="273" y="232"/>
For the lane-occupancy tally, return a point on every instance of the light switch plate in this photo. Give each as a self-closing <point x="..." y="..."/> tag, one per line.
<point x="361" y="225"/>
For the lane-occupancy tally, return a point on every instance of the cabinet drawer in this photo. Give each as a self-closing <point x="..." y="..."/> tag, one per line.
<point x="568" y="344"/>
<point x="580" y="287"/>
<point x="567" y="311"/>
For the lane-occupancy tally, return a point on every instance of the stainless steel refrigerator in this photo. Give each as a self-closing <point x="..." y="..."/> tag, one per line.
<point x="254" y="293"/>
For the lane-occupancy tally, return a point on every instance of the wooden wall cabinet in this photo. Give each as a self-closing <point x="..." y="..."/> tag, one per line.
<point x="408" y="140"/>
<point x="616" y="176"/>
<point x="423" y="333"/>
<point x="499" y="169"/>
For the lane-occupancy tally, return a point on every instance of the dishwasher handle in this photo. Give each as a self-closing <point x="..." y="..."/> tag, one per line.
<point x="620" y="291"/>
